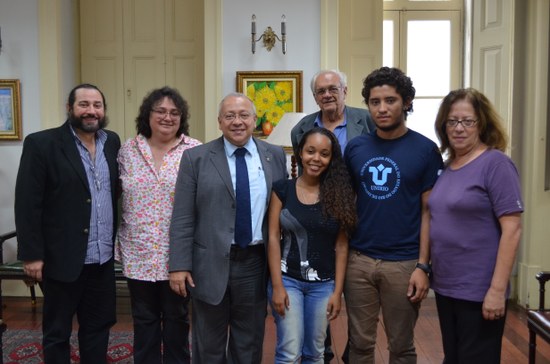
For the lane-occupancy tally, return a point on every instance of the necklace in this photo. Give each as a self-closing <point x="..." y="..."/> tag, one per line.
<point x="308" y="195"/>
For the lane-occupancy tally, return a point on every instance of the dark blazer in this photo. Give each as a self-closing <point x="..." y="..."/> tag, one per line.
<point x="358" y="120"/>
<point x="203" y="218"/>
<point x="53" y="201"/>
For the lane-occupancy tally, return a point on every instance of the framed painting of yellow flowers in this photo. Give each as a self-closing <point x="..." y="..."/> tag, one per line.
<point x="274" y="93"/>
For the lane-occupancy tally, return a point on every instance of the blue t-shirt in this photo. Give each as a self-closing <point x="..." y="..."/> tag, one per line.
<point x="389" y="177"/>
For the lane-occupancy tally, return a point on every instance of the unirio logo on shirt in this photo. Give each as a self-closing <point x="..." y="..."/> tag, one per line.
<point x="380" y="178"/>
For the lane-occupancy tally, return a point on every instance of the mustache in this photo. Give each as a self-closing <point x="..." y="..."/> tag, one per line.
<point x="78" y="122"/>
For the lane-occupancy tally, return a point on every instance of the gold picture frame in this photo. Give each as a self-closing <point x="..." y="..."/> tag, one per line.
<point x="273" y="93"/>
<point x="10" y="110"/>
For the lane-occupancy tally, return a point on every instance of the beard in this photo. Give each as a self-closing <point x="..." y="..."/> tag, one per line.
<point x="78" y="123"/>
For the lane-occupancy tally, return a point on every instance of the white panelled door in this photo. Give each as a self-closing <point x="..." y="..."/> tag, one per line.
<point x="130" y="47"/>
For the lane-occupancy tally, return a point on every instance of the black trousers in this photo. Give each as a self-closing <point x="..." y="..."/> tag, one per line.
<point x="161" y="320"/>
<point x="92" y="298"/>
<point x="467" y="337"/>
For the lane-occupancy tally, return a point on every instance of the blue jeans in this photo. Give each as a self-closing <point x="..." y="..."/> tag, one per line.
<point x="302" y="332"/>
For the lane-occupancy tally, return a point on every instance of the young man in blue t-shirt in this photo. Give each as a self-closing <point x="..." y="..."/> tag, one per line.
<point x="393" y="169"/>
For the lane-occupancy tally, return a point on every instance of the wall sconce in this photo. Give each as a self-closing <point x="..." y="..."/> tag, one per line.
<point x="269" y="36"/>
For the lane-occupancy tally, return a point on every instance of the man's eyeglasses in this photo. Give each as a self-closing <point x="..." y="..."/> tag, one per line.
<point x="467" y="123"/>
<point x="174" y="114"/>
<point x="231" y="117"/>
<point x="333" y="90"/>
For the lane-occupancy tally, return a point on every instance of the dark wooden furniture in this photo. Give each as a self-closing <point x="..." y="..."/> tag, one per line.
<point x="538" y="321"/>
<point x="13" y="270"/>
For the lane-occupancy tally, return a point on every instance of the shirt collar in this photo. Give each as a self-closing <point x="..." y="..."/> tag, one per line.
<point x="231" y="148"/>
<point x="318" y="122"/>
<point x="182" y="139"/>
<point x="100" y="135"/>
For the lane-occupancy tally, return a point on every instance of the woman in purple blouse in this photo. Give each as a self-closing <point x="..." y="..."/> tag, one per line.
<point x="475" y="228"/>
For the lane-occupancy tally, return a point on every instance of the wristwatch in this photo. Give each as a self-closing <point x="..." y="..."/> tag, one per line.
<point x="426" y="268"/>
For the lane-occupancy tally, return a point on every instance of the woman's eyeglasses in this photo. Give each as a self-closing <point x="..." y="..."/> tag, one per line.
<point x="467" y="123"/>
<point x="174" y="114"/>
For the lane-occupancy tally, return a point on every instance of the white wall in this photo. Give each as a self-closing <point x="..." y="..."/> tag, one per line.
<point x="303" y="40"/>
<point x="19" y="59"/>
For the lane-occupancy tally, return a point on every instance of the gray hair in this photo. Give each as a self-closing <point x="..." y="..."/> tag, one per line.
<point x="236" y="94"/>
<point x="341" y="75"/>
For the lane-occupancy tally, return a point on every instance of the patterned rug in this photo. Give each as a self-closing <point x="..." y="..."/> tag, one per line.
<point x="25" y="347"/>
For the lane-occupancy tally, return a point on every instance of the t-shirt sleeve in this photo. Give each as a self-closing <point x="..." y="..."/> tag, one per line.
<point x="434" y="168"/>
<point x="503" y="187"/>
<point x="349" y="154"/>
<point x="280" y="188"/>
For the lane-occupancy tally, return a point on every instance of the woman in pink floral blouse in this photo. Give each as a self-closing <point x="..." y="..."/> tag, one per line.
<point x="149" y="166"/>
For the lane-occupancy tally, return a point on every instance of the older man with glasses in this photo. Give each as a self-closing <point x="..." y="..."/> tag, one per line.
<point x="329" y="88"/>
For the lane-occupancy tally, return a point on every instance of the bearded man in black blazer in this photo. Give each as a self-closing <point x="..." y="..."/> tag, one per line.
<point x="65" y="216"/>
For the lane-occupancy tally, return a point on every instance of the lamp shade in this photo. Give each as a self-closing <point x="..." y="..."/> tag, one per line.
<point x="281" y="133"/>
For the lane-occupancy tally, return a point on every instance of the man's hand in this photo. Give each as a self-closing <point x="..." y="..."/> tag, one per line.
<point x="419" y="285"/>
<point x="178" y="281"/>
<point x="34" y="269"/>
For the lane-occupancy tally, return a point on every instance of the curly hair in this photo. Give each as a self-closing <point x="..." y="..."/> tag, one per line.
<point x="154" y="98"/>
<point x="489" y="123"/>
<point x="335" y="192"/>
<point x="391" y="77"/>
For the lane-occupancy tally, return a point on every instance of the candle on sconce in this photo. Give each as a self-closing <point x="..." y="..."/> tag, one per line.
<point x="253" y="24"/>
<point x="283" y="25"/>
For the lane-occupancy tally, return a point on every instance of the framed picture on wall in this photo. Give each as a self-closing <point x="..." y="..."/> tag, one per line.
<point x="10" y="110"/>
<point x="274" y="93"/>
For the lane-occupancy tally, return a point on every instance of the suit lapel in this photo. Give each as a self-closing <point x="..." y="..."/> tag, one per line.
<point x="219" y="160"/>
<point x="111" y="153"/>
<point x="353" y="127"/>
<point x="266" y="158"/>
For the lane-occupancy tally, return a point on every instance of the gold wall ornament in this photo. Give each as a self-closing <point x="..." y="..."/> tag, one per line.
<point x="269" y="36"/>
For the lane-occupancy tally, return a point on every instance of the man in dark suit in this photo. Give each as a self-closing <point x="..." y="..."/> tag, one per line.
<point x="329" y="89"/>
<point x="65" y="215"/>
<point x="227" y="282"/>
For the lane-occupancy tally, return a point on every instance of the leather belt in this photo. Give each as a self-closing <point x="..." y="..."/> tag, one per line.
<point x="238" y="253"/>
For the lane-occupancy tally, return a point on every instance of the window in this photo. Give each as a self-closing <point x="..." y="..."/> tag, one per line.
<point x="426" y="44"/>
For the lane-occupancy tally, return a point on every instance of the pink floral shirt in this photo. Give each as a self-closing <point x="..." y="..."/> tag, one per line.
<point x="147" y="201"/>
